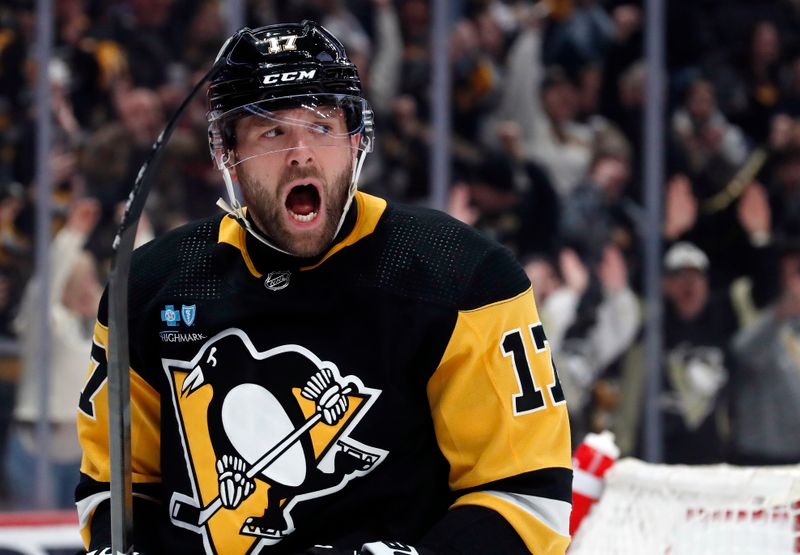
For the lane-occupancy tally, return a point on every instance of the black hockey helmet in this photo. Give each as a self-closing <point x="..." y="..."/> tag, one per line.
<point x="281" y="60"/>
<point x="280" y="66"/>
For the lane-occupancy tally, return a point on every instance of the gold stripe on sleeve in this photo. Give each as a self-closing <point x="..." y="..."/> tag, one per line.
<point x="145" y="425"/>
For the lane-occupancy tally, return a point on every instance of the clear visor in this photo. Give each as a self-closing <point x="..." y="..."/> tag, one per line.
<point x="288" y="123"/>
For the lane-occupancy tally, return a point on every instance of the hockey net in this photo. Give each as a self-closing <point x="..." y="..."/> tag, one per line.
<point x="693" y="510"/>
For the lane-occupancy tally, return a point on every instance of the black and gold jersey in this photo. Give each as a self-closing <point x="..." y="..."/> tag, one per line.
<point x="398" y="382"/>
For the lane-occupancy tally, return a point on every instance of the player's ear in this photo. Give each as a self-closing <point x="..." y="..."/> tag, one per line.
<point x="231" y="155"/>
<point x="355" y="142"/>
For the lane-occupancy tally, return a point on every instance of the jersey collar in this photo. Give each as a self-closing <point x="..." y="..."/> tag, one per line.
<point x="367" y="211"/>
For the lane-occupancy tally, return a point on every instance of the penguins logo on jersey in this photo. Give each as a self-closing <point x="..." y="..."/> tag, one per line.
<point x="263" y="432"/>
<point x="697" y="375"/>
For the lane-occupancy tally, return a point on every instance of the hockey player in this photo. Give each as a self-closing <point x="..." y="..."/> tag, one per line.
<point x="323" y="371"/>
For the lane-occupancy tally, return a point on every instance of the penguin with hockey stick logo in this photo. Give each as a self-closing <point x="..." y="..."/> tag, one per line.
<point x="261" y="428"/>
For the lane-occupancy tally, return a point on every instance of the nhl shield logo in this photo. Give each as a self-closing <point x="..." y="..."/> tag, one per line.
<point x="278" y="280"/>
<point x="188" y="313"/>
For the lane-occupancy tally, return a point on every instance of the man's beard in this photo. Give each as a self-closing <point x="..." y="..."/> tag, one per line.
<point x="266" y="207"/>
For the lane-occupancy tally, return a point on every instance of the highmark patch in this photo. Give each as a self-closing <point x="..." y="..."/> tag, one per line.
<point x="178" y="337"/>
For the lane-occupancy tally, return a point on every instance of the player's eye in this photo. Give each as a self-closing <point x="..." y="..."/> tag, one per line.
<point x="321" y="128"/>
<point x="272" y="132"/>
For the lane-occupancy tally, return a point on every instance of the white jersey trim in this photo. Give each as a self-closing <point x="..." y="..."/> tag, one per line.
<point x="87" y="505"/>
<point x="551" y="512"/>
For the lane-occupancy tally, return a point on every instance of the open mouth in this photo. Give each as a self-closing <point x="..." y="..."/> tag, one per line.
<point x="303" y="202"/>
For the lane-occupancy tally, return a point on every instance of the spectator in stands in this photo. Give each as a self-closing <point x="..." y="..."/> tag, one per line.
<point x="733" y="228"/>
<point x="151" y="37"/>
<point x="493" y="195"/>
<point x="597" y="212"/>
<point x="590" y="80"/>
<point x="591" y="316"/>
<point x="338" y="17"/>
<point x="539" y="206"/>
<point x="378" y="60"/>
<point x="205" y="31"/>
<point x="713" y="147"/>
<point x="74" y="293"/>
<point x="790" y="90"/>
<point x="78" y="53"/>
<point x="781" y="134"/>
<point x="18" y="36"/>
<point x="761" y="77"/>
<point x="581" y="38"/>
<point x="15" y="254"/>
<point x="696" y="366"/>
<point x="545" y="103"/>
<point x="545" y="278"/>
<point x="113" y="154"/>
<point x="475" y="80"/>
<point x="767" y="387"/>
<point x="415" y="22"/>
<point x="697" y="327"/>
<point x="384" y="75"/>
<point x="67" y="136"/>
<point x="513" y="198"/>
<point x="784" y="194"/>
<point x="15" y="263"/>
<point x="623" y="104"/>
<point x="405" y="152"/>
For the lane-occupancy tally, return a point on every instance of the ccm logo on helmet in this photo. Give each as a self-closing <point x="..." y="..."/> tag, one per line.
<point x="289" y="76"/>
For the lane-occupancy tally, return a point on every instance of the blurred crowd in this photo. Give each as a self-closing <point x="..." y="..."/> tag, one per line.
<point x="547" y="107"/>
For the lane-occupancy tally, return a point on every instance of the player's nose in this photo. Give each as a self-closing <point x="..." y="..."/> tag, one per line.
<point x="300" y="152"/>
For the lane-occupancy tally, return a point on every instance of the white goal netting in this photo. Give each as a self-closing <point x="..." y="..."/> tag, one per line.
<point x="693" y="510"/>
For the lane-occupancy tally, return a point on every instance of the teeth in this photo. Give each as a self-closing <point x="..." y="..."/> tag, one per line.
<point x="300" y="218"/>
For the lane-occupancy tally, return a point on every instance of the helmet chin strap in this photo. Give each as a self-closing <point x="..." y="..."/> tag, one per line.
<point x="236" y="211"/>
<point x="351" y="193"/>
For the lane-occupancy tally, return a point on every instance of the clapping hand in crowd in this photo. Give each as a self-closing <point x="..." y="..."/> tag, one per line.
<point x="459" y="204"/>
<point x="754" y="213"/>
<point x="576" y="275"/>
<point x="681" y="207"/>
<point x="83" y="215"/>
<point x="612" y="270"/>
